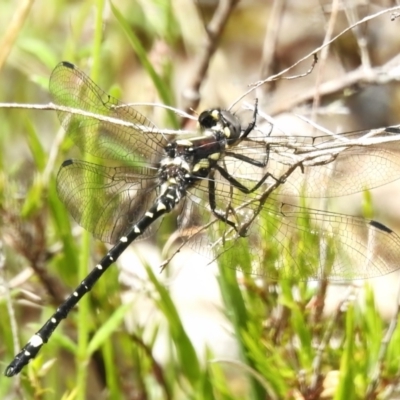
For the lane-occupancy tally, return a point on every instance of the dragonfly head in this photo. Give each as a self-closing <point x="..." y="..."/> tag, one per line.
<point x="221" y="121"/>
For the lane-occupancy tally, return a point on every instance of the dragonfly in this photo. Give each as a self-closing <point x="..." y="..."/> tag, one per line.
<point x="229" y="186"/>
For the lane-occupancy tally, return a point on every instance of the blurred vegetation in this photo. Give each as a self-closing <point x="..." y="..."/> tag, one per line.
<point x="145" y="51"/>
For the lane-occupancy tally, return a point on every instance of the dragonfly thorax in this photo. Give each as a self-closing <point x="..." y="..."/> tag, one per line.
<point x="197" y="155"/>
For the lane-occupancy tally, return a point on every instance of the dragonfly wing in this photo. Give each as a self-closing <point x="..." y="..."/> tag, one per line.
<point x="330" y="168"/>
<point x="106" y="201"/>
<point x="295" y="243"/>
<point x="353" y="170"/>
<point x="140" y="142"/>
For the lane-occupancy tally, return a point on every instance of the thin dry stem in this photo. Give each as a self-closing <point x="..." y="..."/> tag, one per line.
<point x="281" y="74"/>
<point x="13" y="29"/>
<point x="214" y="31"/>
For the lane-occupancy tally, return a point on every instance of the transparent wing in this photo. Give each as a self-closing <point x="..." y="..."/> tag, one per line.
<point x="313" y="244"/>
<point x="70" y="87"/>
<point x="336" y="170"/>
<point x="106" y="201"/>
<point x="343" y="170"/>
<point x="281" y="240"/>
<point x="277" y="239"/>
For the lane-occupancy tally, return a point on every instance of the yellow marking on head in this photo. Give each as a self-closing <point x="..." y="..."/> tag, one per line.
<point x="215" y="114"/>
<point x="227" y="132"/>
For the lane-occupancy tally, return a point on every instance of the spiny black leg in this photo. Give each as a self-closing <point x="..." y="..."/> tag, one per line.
<point x="248" y="160"/>
<point x="211" y="192"/>
<point x="252" y="124"/>
<point x="238" y="185"/>
<point x="213" y="204"/>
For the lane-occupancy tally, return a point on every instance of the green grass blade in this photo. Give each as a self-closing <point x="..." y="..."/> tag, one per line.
<point x="162" y="89"/>
<point x="186" y="353"/>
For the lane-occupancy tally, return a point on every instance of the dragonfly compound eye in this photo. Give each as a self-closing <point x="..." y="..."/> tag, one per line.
<point x="209" y="119"/>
